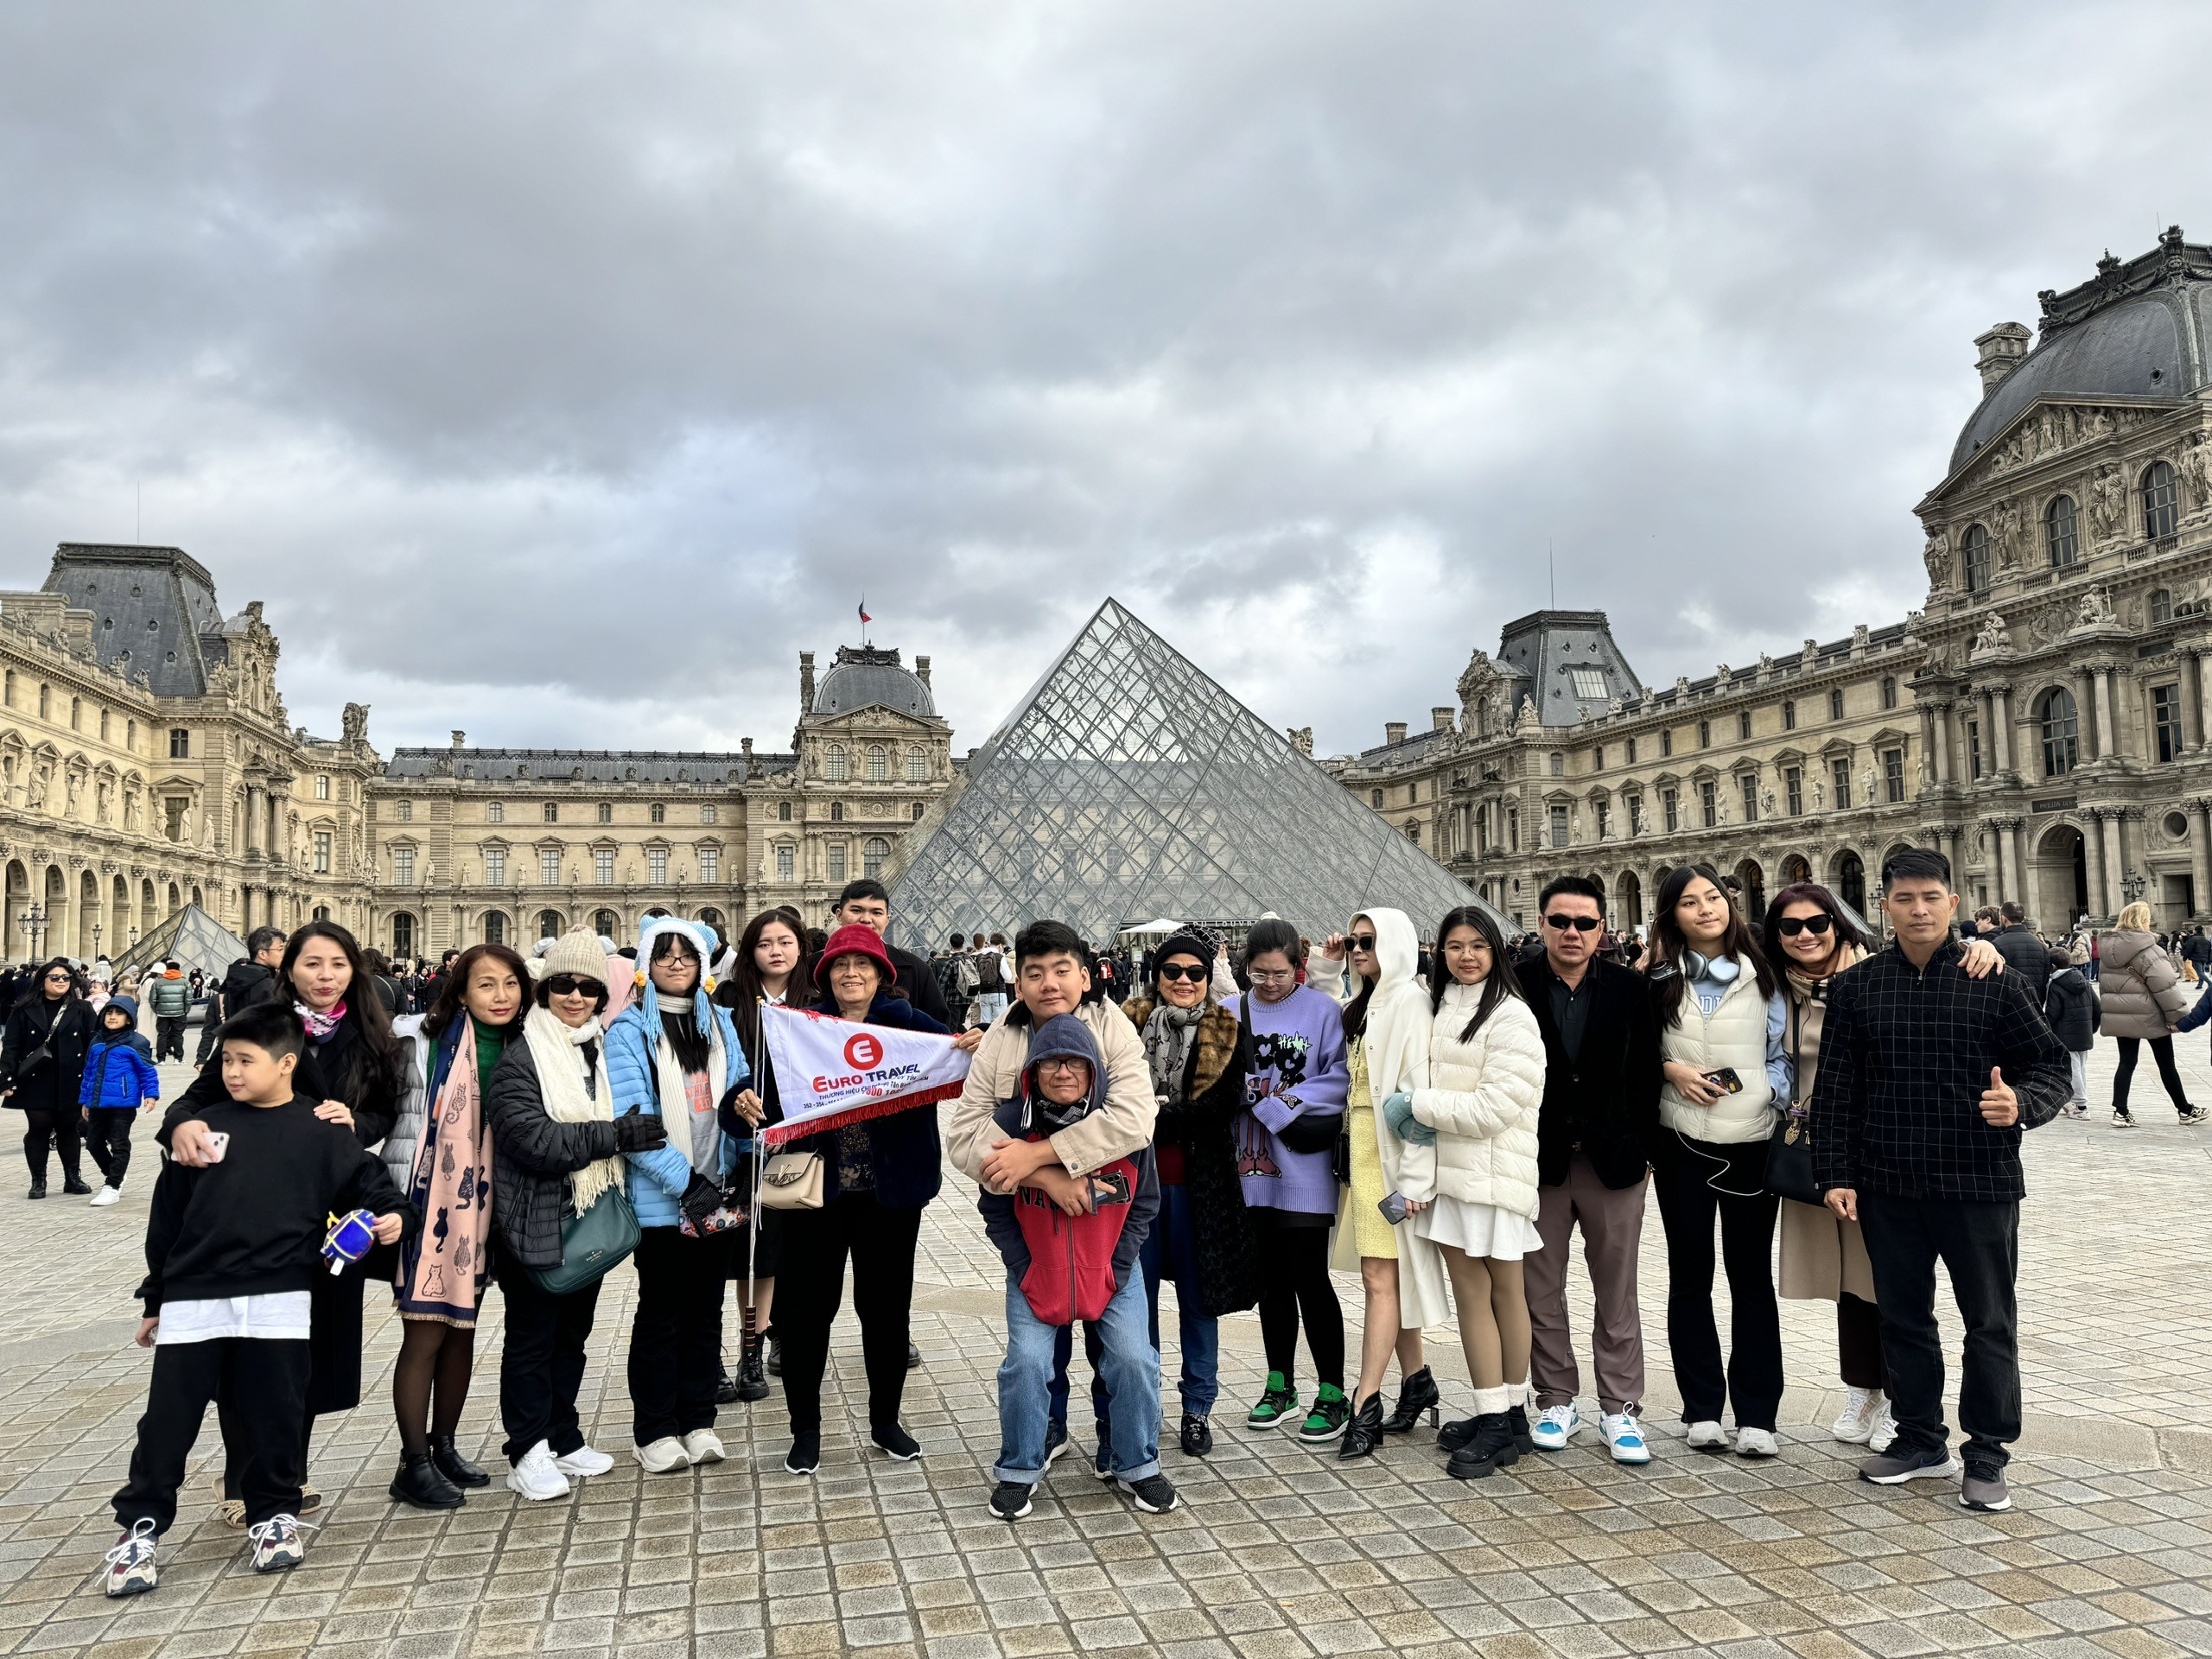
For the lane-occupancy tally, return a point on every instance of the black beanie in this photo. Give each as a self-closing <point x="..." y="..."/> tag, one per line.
<point x="1186" y="943"/>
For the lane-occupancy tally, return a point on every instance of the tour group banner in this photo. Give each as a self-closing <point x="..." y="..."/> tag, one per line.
<point x="831" y="1072"/>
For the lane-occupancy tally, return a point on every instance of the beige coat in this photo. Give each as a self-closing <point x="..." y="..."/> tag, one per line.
<point x="1483" y="1100"/>
<point x="2140" y="986"/>
<point x="1114" y="1130"/>
<point x="1822" y="1254"/>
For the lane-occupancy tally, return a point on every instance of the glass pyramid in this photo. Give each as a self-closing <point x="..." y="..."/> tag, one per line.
<point x="1128" y="785"/>
<point x="192" y="937"/>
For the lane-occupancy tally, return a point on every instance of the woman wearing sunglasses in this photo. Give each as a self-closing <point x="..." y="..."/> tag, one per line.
<point x="49" y="1032"/>
<point x="1812" y="938"/>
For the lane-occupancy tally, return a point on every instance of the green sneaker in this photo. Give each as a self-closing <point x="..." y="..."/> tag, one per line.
<point x="1332" y="1411"/>
<point x="1279" y="1402"/>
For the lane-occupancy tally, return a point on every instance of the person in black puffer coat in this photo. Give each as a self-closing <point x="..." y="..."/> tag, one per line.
<point x="48" y="1034"/>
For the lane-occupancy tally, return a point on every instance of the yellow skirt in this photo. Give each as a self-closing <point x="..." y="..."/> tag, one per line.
<point x="1370" y="1233"/>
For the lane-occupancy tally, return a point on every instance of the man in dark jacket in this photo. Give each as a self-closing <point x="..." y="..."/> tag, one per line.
<point x="1600" y="1112"/>
<point x="2024" y="953"/>
<point x="251" y="979"/>
<point x="1927" y="1080"/>
<point x="170" y="994"/>
<point x="866" y="903"/>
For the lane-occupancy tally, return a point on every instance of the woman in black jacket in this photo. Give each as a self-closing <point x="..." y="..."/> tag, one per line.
<point x="42" y="1066"/>
<point x="353" y="1072"/>
<point x="556" y="1149"/>
<point x="877" y="1177"/>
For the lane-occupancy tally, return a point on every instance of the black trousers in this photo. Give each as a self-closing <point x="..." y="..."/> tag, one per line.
<point x="2162" y="1051"/>
<point x="675" y="1336"/>
<point x="262" y="1388"/>
<point x="209" y="1025"/>
<point x="107" y="1137"/>
<point x="1294" y="1281"/>
<point x="1858" y="1343"/>
<point x="61" y="1129"/>
<point x="542" y="1363"/>
<point x="1686" y="1177"/>
<point x="1979" y="1244"/>
<point x="168" y="1037"/>
<point x="811" y="1288"/>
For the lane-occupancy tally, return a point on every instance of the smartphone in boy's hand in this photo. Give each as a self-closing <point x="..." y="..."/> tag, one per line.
<point x="219" y="1142"/>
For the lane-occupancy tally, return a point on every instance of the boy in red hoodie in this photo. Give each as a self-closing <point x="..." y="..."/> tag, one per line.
<point x="1071" y="1245"/>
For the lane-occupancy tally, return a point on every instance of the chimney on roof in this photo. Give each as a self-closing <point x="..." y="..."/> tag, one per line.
<point x="461" y="739"/>
<point x="1439" y="717"/>
<point x="1393" y="731"/>
<point x="806" y="683"/>
<point x="2000" y="351"/>
<point x="922" y="669"/>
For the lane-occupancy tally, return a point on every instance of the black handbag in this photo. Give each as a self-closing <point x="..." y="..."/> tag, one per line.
<point x="1789" y="1149"/>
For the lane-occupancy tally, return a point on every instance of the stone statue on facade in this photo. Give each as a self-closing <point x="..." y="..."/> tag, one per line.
<point x="1993" y="636"/>
<point x="1766" y="800"/>
<point x="2108" y="504"/>
<point x="1936" y="556"/>
<point x="2196" y="469"/>
<point x="1867" y="781"/>
<point x="2094" y="609"/>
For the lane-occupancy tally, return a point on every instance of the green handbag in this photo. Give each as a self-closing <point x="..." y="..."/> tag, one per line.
<point x="592" y="1245"/>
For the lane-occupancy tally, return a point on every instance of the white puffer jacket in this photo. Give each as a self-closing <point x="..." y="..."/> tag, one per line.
<point x="1483" y="1100"/>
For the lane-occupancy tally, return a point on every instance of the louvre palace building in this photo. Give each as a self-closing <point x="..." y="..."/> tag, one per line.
<point x="2043" y="719"/>
<point x="148" y="761"/>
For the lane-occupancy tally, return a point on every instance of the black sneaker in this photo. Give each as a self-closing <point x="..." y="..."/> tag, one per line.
<point x="1984" y="1488"/>
<point x="1278" y="1402"/>
<point x="1902" y="1463"/>
<point x="1056" y="1441"/>
<point x="1009" y="1500"/>
<point x="1154" y="1494"/>
<point x="1198" y="1434"/>
<point x="1102" y="1464"/>
<point x="805" y="1455"/>
<point x="896" y="1442"/>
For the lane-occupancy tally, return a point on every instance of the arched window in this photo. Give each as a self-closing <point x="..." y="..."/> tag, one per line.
<point x="402" y="932"/>
<point x="2061" y="538"/>
<point x="879" y="763"/>
<point x="1974" y="551"/>
<point x="1851" y="882"/>
<point x="495" y="927"/>
<point x="918" y="766"/>
<point x="605" y="923"/>
<point x="2062" y="750"/>
<point x="833" y="763"/>
<point x="874" y="851"/>
<point x="2160" y="510"/>
<point x="551" y="925"/>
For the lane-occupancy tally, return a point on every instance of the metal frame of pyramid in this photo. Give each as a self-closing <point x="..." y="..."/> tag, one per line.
<point x="1128" y="784"/>
<point x="194" y="938"/>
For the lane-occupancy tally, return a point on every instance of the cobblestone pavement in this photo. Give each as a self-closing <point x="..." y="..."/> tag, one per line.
<point x="1277" y="1550"/>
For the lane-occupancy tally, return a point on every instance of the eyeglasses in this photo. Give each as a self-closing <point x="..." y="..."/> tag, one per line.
<point x="1271" y="975"/>
<point x="1180" y="970"/>
<point x="571" y="984"/>
<point x="1360" y="942"/>
<point x="1579" y="924"/>
<point x="1790" y="926"/>
<point x="1060" y="1066"/>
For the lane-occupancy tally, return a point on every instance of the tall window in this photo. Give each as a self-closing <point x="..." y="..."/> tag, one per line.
<point x="1893" y="775"/>
<point x="403" y="866"/>
<point x="836" y="856"/>
<point x="180" y="737"/>
<point x="785" y="860"/>
<point x="918" y="766"/>
<point x="837" y="811"/>
<point x="2160" y="510"/>
<point x="76" y="714"/>
<point x="2061" y="535"/>
<point x="1667" y="741"/>
<point x="833" y="763"/>
<point x="549" y="865"/>
<point x="2165" y="720"/>
<point x="1559" y="825"/>
<point x="1559" y="764"/>
<point x="656" y="865"/>
<point x="495" y="866"/>
<point x="1375" y="799"/>
<point x="322" y="786"/>
<point x="604" y="922"/>
<point x="783" y="812"/>
<point x="1631" y="751"/>
<point x="603" y="866"/>
<point x="1708" y="803"/>
<point x="322" y="852"/>
<point x="1789" y="714"/>
<point x="1793" y="789"/>
<point x="658" y="812"/>
<point x="1743" y="724"/>
<point x="920" y="807"/>
<point x="1705" y="734"/>
<point x="2162" y="605"/>
<point x="1670" y="808"/>
<point x="2054" y="717"/>
<point x="1596" y="763"/>
<point x="605" y="813"/>
<point x="495" y="927"/>
<point x="879" y="763"/>
<point x="1835" y="703"/>
<point x="496" y="812"/>
<point x="1974" y="550"/>
<point x="1602" y="811"/>
<point x="407" y="811"/>
<point x="8" y="689"/>
<point x="45" y="702"/>
<point x="711" y="864"/>
<point x="1839" y="771"/>
<point x="1973" y="751"/>
<point x="403" y="935"/>
<point x="1413" y="830"/>
<point x="874" y="851"/>
<point x="1888" y="692"/>
<point x="710" y="813"/>
<point x="552" y="811"/>
<point x="1750" y="784"/>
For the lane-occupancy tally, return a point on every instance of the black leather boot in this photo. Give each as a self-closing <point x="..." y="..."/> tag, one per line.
<point x="455" y="1467"/>
<point x="1364" y="1431"/>
<point x="725" y="1390"/>
<point x="419" y="1485"/>
<point x="1490" y="1450"/>
<point x="752" y="1380"/>
<point x="1517" y="1419"/>
<point x="1457" y="1432"/>
<point x="1417" y="1395"/>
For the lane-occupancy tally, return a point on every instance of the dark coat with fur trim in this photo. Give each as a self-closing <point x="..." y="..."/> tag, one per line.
<point x="1212" y="1095"/>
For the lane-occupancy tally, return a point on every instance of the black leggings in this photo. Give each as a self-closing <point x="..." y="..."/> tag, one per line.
<point x="64" y="1129"/>
<point x="429" y="1381"/>
<point x="1293" y="1282"/>
<point x="2162" y="1051"/>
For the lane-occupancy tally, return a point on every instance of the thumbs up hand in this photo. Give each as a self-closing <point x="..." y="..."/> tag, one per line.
<point x="2001" y="1107"/>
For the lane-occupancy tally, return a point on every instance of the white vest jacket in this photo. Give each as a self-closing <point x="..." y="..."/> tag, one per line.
<point x="1733" y="1035"/>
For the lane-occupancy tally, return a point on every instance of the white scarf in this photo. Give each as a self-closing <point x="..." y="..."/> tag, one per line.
<point x="675" y="1101"/>
<point x="557" y="1052"/>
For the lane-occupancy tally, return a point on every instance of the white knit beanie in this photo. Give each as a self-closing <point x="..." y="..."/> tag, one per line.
<point x="578" y="953"/>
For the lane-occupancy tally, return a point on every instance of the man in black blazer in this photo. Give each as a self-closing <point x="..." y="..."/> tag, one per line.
<point x="1600" y="1111"/>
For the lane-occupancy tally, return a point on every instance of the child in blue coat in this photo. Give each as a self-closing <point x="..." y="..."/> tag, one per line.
<point x="119" y="1079"/>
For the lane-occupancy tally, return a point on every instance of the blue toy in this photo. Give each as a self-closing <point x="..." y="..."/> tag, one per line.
<point x="349" y="1239"/>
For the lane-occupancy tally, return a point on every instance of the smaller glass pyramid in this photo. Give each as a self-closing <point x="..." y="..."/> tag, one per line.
<point x="1128" y="785"/>
<point x="192" y="938"/>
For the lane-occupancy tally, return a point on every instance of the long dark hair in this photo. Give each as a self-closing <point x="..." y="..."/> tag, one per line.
<point x="1501" y="982"/>
<point x="1356" y="1010"/>
<point x="448" y="1006"/>
<point x="694" y="1048"/>
<point x="1802" y="892"/>
<point x="741" y="993"/>
<point x="1663" y="965"/>
<point x="34" y="993"/>
<point x="365" y="1072"/>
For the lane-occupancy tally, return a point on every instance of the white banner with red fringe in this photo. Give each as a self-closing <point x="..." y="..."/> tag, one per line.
<point x="831" y="1072"/>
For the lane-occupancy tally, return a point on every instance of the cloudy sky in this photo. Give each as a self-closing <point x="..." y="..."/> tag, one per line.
<point x="559" y="371"/>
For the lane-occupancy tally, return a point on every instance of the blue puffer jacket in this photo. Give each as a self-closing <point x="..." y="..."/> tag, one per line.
<point x="119" y="1072"/>
<point x="659" y="1177"/>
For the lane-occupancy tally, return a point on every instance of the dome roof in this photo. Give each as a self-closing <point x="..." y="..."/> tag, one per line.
<point x="863" y="676"/>
<point x="2135" y="332"/>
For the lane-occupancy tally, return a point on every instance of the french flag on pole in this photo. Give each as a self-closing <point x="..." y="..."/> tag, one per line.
<point x="865" y="617"/>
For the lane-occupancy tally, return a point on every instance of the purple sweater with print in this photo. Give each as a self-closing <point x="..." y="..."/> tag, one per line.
<point x="1298" y="1069"/>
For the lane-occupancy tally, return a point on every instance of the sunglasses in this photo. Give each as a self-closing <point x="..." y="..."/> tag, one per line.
<point x="1578" y="924"/>
<point x="1179" y="970"/>
<point x="1790" y="926"/>
<point x="571" y="984"/>
<point x="1360" y="942"/>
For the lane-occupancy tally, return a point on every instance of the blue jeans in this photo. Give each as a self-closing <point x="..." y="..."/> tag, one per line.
<point x="1128" y="1363"/>
<point x="1171" y="1251"/>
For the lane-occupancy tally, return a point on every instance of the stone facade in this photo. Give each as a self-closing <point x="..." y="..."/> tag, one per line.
<point x="2045" y="719"/>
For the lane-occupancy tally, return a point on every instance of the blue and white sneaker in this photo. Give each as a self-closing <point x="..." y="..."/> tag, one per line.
<point x="1555" y="1426"/>
<point x="1625" y="1435"/>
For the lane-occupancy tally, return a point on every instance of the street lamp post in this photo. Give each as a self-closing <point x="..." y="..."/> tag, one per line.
<point x="34" y="925"/>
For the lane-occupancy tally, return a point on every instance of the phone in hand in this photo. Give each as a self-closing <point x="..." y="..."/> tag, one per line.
<point x="219" y="1142"/>
<point x="1725" y="1080"/>
<point x="1393" y="1208"/>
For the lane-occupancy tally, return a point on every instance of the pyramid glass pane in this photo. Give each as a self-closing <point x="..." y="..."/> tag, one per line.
<point x="191" y="937"/>
<point x="1127" y="786"/>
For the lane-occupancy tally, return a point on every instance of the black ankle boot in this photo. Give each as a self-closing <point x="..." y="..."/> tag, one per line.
<point x="455" y="1467"/>
<point x="419" y="1483"/>
<point x="1417" y="1395"/>
<point x="1457" y="1432"/>
<point x="38" y="1187"/>
<point x="74" y="1186"/>
<point x="752" y="1380"/>
<point x="726" y="1389"/>
<point x="1490" y="1450"/>
<point x="1517" y="1419"/>
<point x="1364" y="1431"/>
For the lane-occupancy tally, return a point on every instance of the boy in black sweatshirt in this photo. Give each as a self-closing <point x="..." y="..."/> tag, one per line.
<point x="231" y="1251"/>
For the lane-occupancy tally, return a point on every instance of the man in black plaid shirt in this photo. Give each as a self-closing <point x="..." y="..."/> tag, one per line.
<point x="1927" y="1080"/>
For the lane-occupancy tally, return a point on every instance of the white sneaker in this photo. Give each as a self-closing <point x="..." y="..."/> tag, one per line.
<point x="1884" y="1431"/>
<point x="1708" y="1436"/>
<point x="128" y="1569"/>
<point x="662" y="1455"/>
<point x="703" y="1446"/>
<point x="1625" y="1435"/>
<point x="536" y="1477"/>
<point x="1756" y="1443"/>
<point x="1860" y="1408"/>
<point x="105" y="1197"/>
<point x="584" y="1461"/>
<point x="1555" y="1426"/>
